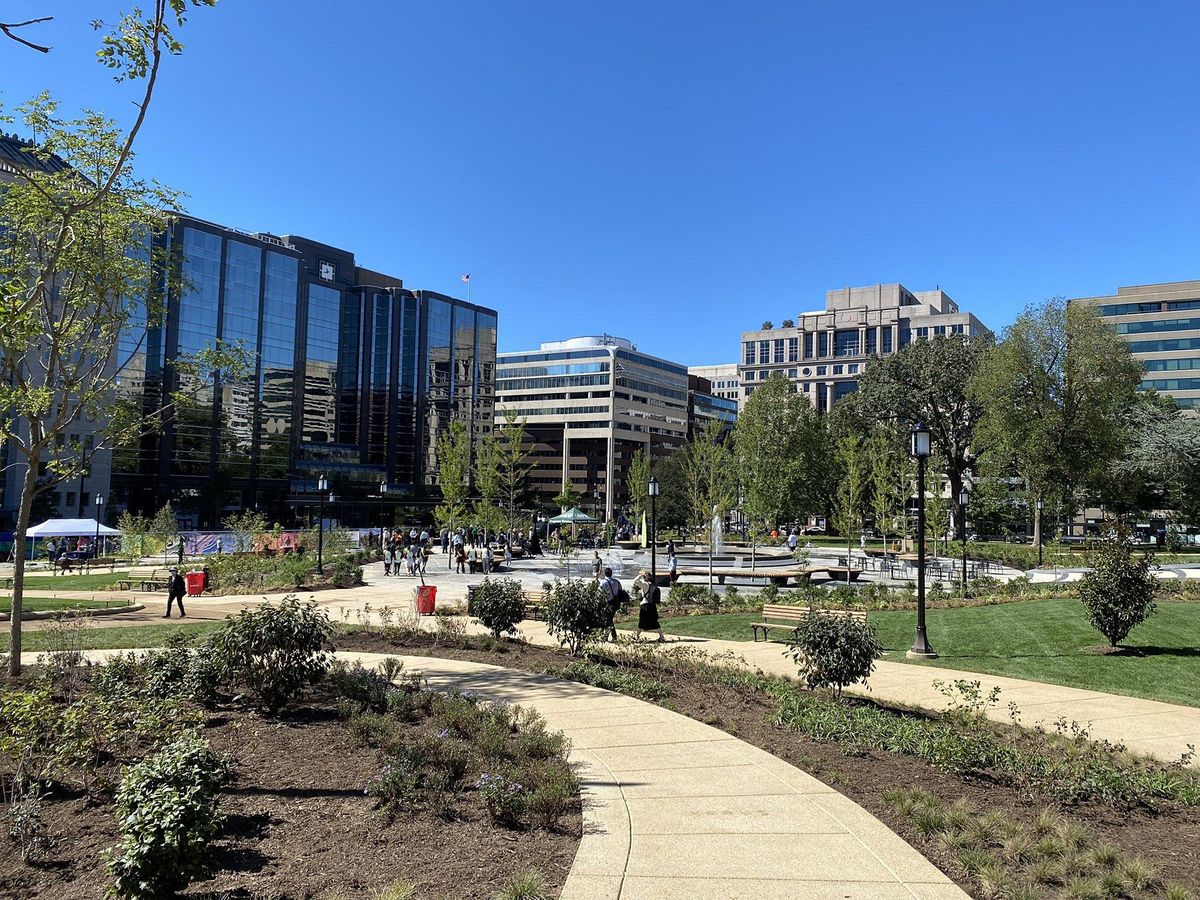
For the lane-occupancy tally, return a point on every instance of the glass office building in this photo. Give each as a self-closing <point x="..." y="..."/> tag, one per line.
<point x="350" y="375"/>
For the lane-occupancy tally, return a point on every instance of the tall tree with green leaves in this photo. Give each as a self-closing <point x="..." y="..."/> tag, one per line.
<point x="848" y="499"/>
<point x="708" y="471"/>
<point x="486" y="511"/>
<point x="780" y="451"/>
<point x="569" y="496"/>
<point x="638" y="481"/>
<point x="930" y="381"/>
<point x="513" y="465"/>
<point x="453" y="474"/>
<point x="888" y="477"/>
<point x="1053" y="394"/>
<point x="74" y="273"/>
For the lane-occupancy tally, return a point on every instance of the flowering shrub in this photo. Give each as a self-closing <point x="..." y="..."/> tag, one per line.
<point x="504" y="797"/>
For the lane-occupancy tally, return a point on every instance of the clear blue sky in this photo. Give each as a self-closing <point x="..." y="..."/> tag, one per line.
<point x="676" y="171"/>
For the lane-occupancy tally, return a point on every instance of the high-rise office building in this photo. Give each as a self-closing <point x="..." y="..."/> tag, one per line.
<point x="706" y="405"/>
<point x="352" y="376"/>
<point x="824" y="352"/>
<point x="1161" y="325"/>
<point x="589" y="404"/>
<point x="723" y="378"/>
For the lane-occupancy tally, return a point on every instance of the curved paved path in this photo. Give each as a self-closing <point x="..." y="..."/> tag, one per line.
<point x="677" y="809"/>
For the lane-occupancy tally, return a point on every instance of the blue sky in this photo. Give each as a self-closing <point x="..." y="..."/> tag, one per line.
<point x="676" y="171"/>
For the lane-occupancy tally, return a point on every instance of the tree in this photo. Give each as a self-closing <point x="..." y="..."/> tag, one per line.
<point x="1053" y="394"/>
<point x="74" y="273"/>
<point x="1118" y="593"/>
<point x="779" y="446"/>
<point x="453" y="470"/>
<point x="937" y="504"/>
<point x="134" y="528"/>
<point x="1159" y="464"/>
<point x="246" y="526"/>
<point x="568" y="497"/>
<point x="638" y="482"/>
<point x="787" y="323"/>
<point x="708" y="470"/>
<point x="930" y="381"/>
<point x="673" y="508"/>
<point x="165" y="526"/>
<point x="486" y="511"/>
<point x="848" y="500"/>
<point x="889" y="481"/>
<point x="768" y="325"/>
<point x="513" y="465"/>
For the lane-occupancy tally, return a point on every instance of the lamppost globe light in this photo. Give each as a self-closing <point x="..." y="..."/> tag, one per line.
<point x="963" y="497"/>
<point x="920" y="441"/>
<point x="653" y="487"/>
<point x="1041" y="504"/>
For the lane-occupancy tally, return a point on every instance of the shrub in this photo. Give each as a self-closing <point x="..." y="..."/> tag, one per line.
<point x="275" y="651"/>
<point x="834" y="651"/>
<point x="345" y="572"/>
<point x="553" y="792"/>
<point x="25" y="822"/>
<point x="692" y="595"/>
<point x="612" y="678"/>
<point x="396" y="785"/>
<point x="499" y="603"/>
<point x="529" y="885"/>
<point x="167" y="809"/>
<point x="363" y="688"/>
<point x="504" y="797"/>
<point x="1119" y="593"/>
<point x="576" y="611"/>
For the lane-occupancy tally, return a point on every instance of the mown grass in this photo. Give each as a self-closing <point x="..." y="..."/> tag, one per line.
<point x="96" y="582"/>
<point x="48" y="604"/>
<point x="1038" y="640"/>
<point x="116" y="638"/>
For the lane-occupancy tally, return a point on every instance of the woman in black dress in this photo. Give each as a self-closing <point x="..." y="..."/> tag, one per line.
<point x="648" y="610"/>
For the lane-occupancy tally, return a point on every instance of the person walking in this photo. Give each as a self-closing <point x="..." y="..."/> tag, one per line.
<point x="460" y="557"/>
<point x="175" y="591"/>
<point x="793" y="541"/>
<point x="596" y="564"/>
<point x="672" y="565"/>
<point x="648" y="610"/>
<point x="615" y="595"/>
<point x="507" y="556"/>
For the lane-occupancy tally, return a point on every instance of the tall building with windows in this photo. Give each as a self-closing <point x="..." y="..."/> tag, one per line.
<point x="824" y="352"/>
<point x="723" y="379"/>
<point x="589" y="404"/>
<point x="351" y="376"/>
<point x="1161" y="325"/>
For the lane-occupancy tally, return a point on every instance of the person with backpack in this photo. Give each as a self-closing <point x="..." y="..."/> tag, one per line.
<point x="616" y="597"/>
<point x="648" y="609"/>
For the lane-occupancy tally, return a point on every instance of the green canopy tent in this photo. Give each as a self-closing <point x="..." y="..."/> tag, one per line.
<point x="574" y="516"/>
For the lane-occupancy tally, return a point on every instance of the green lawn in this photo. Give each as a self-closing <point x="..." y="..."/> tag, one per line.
<point x="98" y="582"/>
<point x="1039" y="640"/>
<point x="130" y="637"/>
<point x="46" y="604"/>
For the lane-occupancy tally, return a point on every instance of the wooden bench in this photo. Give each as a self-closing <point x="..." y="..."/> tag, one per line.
<point x="792" y="617"/>
<point x="777" y="576"/>
<point x="147" y="578"/>
<point x="535" y="604"/>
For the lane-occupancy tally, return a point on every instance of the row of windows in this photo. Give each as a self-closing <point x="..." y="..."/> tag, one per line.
<point x="528" y="411"/>
<point x="1172" y="365"/>
<point x="1157" y="325"/>
<point x="550" y="357"/>
<point x="1164" y="346"/>
<point x="1172" y="384"/>
<point x="651" y="363"/>
<point x="560" y="381"/>
<point x="1129" y="309"/>
<point x="840" y="369"/>
<point x="570" y="369"/>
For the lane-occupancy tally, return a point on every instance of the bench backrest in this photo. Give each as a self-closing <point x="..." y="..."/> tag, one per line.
<point x="147" y="572"/>
<point x="800" y="613"/>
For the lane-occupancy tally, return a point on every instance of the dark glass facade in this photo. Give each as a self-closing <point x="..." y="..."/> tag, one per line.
<point x="350" y="376"/>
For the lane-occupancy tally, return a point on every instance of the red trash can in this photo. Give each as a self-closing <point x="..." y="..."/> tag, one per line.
<point x="195" y="583"/>
<point x="426" y="599"/>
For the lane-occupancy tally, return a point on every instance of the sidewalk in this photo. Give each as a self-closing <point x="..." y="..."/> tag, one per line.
<point x="675" y="809"/>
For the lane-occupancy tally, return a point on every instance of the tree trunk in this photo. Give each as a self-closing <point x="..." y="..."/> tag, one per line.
<point x="28" y="490"/>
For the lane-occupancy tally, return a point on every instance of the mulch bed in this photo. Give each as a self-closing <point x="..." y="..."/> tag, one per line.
<point x="1167" y="837"/>
<point x="300" y="825"/>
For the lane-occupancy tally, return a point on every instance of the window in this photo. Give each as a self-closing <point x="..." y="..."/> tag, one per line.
<point x="1157" y="325"/>
<point x="85" y="499"/>
<point x="70" y="498"/>
<point x="923" y="332"/>
<point x="823" y="344"/>
<point x="821" y="370"/>
<point x="940" y="330"/>
<point x="1126" y="309"/>
<point x="793" y="353"/>
<point x="808" y="345"/>
<point x="749" y="376"/>
<point x="748" y="357"/>
<point x="837" y="370"/>
<point x="763" y="374"/>
<point x="1171" y="365"/>
<point x="845" y="343"/>
<point x="764" y="352"/>
<point x="905" y="336"/>
<point x="807" y="372"/>
<point x="872" y="341"/>
<point x="853" y="368"/>
<point x="956" y="329"/>
<point x="779" y="350"/>
<point x="791" y="373"/>
<point x="806" y="387"/>
<point x="887" y="340"/>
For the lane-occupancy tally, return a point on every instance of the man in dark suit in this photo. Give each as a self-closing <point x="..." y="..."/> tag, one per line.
<point x="175" y="591"/>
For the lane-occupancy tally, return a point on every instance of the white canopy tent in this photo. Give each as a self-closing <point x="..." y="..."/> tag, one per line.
<point x="70" y="528"/>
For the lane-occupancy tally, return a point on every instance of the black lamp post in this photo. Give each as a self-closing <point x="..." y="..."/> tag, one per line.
<point x="99" y="508"/>
<point x="382" y="495"/>
<point x="1040" y="506"/>
<point x="920" y="449"/>
<point x="652" y="488"/>
<point x="322" y="489"/>
<point x="963" y="497"/>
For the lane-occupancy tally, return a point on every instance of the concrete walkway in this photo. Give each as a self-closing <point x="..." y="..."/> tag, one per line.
<point x="1145" y="726"/>
<point x="676" y="809"/>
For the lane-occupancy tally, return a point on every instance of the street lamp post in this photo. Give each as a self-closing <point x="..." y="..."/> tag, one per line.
<point x="322" y="490"/>
<point x="652" y="488"/>
<point x="963" y="497"/>
<point x="99" y="507"/>
<point x="920" y="449"/>
<point x="382" y="495"/>
<point x="1040" y="506"/>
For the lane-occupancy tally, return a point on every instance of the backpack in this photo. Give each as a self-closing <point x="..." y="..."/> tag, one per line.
<point x="622" y="598"/>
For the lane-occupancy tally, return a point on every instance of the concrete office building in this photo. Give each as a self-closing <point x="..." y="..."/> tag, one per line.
<point x="724" y="379"/>
<point x="1161" y="325"/>
<point x="705" y="405"/>
<point x="589" y="403"/>
<point x="824" y="352"/>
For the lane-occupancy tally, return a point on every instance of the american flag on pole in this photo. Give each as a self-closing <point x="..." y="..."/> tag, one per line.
<point x="466" y="277"/>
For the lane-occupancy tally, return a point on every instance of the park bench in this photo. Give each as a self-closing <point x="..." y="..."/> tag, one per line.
<point x="104" y="562"/>
<point x="792" y="617"/>
<point x="535" y="603"/>
<point x="777" y="576"/>
<point x="147" y="578"/>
